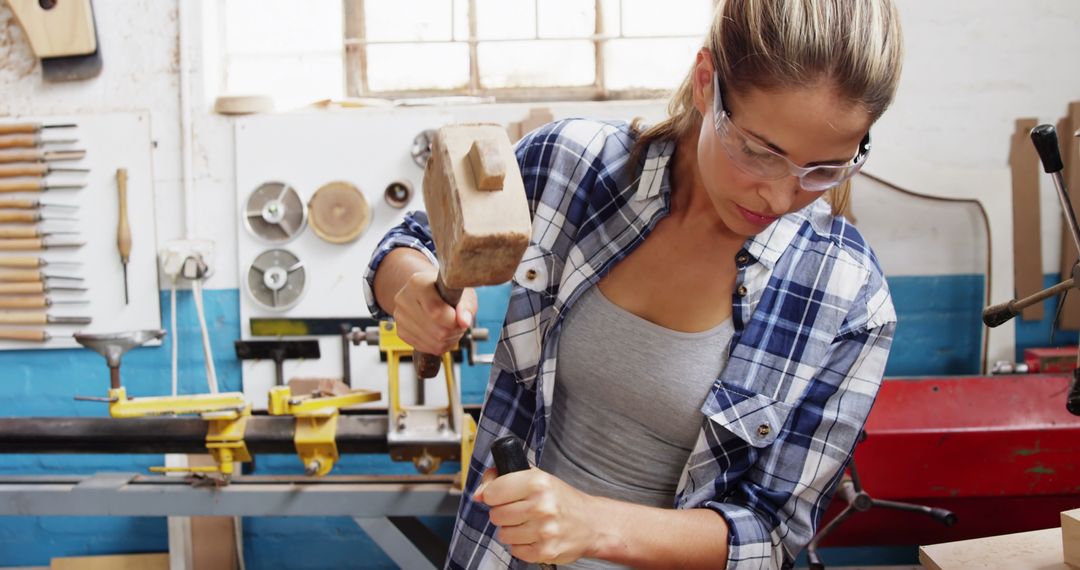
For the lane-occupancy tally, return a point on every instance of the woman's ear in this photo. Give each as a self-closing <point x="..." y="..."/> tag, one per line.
<point x="701" y="81"/>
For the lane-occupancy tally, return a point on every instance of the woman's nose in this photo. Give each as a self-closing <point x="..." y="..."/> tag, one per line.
<point x="779" y="194"/>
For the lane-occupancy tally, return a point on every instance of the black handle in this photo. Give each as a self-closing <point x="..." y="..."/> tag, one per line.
<point x="1046" y="144"/>
<point x="998" y="314"/>
<point x="1072" y="401"/>
<point x="509" y="455"/>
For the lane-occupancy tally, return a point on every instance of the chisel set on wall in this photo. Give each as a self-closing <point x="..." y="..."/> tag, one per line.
<point x="34" y="160"/>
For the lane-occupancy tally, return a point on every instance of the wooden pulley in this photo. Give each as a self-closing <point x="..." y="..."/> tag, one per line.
<point x="339" y="212"/>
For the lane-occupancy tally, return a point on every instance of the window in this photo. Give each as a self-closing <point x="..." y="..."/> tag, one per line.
<point x="510" y="49"/>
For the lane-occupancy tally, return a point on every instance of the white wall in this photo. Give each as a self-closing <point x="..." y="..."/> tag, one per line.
<point x="972" y="67"/>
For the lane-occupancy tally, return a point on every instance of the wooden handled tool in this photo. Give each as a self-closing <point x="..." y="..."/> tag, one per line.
<point x="29" y="128"/>
<point x="39" y="318"/>
<point x="17" y="232"/>
<point x="31" y="302"/>
<point x="478" y="212"/>
<point x="34" y="185"/>
<point x="39" y="155"/>
<point x="31" y="217"/>
<point x="24" y="335"/>
<point x="33" y="169"/>
<point x="30" y="141"/>
<point x="31" y="275"/>
<point x="33" y="288"/>
<point x="123" y="228"/>
<point x="33" y="244"/>
<point x="30" y="262"/>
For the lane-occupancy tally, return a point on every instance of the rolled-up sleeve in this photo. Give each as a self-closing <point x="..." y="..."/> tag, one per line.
<point x="414" y="233"/>
<point x="774" y="509"/>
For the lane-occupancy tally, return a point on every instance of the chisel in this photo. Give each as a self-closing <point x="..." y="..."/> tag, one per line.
<point x="31" y="275"/>
<point x="31" y="262"/>
<point x="30" y="128"/>
<point x="29" y="204"/>
<point x="39" y="318"/>
<point x="34" y="244"/>
<point x="33" y="169"/>
<point x="123" y="228"/>
<point x="30" y="141"/>
<point x="33" y="302"/>
<point x="25" y="335"/>
<point x="34" y="288"/>
<point x="20" y="232"/>
<point x="39" y="155"/>
<point x="35" y="185"/>
<point x="31" y="217"/>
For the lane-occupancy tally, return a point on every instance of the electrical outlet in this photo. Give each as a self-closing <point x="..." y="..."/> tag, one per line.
<point x="176" y="252"/>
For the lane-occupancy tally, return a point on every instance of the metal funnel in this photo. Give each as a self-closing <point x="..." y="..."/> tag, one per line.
<point x="113" y="346"/>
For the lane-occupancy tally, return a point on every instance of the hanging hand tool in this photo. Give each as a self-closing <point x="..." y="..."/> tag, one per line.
<point x="25" y="335"/>
<point x="31" y="275"/>
<point x="39" y="318"/>
<point x="32" y="262"/>
<point x="26" y="204"/>
<point x="30" y="141"/>
<point x="35" y="288"/>
<point x="20" y="232"/>
<point x="30" y="128"/>
<point x="39" y="155"/>
<point x="35" y="185"/>
<point x="33" y="302"/>
<point x="32" y="218"/>
<point x="34" y="244"/>
<point x="123" y="228"/>
<point x="33" y="169"/>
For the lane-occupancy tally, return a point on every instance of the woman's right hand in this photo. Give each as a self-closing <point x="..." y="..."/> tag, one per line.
<point x="425" y="321"/>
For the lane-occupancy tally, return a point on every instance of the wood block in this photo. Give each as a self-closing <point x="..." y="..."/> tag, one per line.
<point x="1027" y="239"/>
<point x="487" y="166"/>
<point x="1070" y="537"/>
<point x="479" y="236"/>
<point x="1037" y="549"/>
<point x="66" y="29"/>
<point x="114" y="562"/>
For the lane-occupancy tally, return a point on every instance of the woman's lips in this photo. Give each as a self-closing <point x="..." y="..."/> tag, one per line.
<point x="755" y="218"/>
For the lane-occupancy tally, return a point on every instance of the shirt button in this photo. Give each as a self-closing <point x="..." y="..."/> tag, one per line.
<point x="742" y="258"/>
<point x="530" y="274"/>
<point x="763" y="430"/>
<point x="741" y="291"/>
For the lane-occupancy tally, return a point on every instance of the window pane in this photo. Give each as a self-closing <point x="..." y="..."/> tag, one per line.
<point x="537" y="63"/>
<point x="671" y="17"/>
<point x="505" y="19"/>
<point x="291" y="80"/>
<point x="401" y="67"/>
<point x="407" y="20"/>
<point x="567" y="18"/>
<point x="283" y="26"/>
<point x="648" y="64"/>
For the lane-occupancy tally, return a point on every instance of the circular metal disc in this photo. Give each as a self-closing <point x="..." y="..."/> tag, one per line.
<point x="421" y="147"/>
<point x="274" y="212"/>
<point x="276" y="279"/>
<point x="339" y="212"/>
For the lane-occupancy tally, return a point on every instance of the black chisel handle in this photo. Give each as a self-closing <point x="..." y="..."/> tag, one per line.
<point x="1072" y="401"/>
<point x="1046" y="144"/>
<point x="509" y="455"/>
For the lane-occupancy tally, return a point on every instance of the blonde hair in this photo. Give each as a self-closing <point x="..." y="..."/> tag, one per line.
<point x="855" y="45"/>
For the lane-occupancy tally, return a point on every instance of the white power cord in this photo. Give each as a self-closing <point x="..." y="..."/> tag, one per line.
<point x="175" y="333"/>
<point x="211" y="375"/>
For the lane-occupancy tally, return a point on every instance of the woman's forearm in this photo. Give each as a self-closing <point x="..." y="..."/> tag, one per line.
<point x="648" y="537"/>
<point x="396" y="268"/>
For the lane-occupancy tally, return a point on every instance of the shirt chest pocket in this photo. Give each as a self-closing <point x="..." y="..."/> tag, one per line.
<point x="752" y="417"/>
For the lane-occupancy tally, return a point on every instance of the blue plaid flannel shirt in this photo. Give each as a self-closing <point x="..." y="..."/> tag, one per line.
<point x="813" y="325"/>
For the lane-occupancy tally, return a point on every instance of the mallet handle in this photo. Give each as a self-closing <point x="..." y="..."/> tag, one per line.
<point x="427" y="365"/>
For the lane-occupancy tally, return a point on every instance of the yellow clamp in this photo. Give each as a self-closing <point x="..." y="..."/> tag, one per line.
<point x="316" y="423"/>
<point x="227" y="415"/>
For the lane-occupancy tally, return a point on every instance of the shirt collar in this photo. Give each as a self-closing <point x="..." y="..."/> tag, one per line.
<point x="768" y="245"/>
<point x="654" y="177"/>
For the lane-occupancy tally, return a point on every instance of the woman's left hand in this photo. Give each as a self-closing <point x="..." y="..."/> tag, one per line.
<point x="541" y="518"/>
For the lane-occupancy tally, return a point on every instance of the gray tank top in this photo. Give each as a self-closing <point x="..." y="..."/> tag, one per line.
<point x="627" y="401"/>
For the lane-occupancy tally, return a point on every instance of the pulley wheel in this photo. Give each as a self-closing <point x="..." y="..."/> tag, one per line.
<point x="275" y="212"/>
<point x="276" y="279"/>
<point x="339" y="212"/>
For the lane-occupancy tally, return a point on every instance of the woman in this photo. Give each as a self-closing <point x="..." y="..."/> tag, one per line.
<point x="694" y="338"/>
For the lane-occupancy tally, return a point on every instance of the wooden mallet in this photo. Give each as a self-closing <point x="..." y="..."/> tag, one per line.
<point x="478" y="213"/>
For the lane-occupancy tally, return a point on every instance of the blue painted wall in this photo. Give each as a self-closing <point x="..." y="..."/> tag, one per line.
<point x="939" y="333"/>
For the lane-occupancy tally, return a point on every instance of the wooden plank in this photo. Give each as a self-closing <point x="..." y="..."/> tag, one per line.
<point x="1037" y="549"/>
<point x="1070" y="537"/>
<point x="114" y="562"/>
<point x="1070" y="155"/>
<point x="1027" y="239"/>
